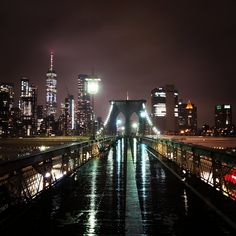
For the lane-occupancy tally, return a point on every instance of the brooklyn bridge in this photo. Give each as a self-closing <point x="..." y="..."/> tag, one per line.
<point x="126" y="183"/>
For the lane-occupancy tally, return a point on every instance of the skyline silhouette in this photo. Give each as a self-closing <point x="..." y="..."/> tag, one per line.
<point x="131" y="46"/>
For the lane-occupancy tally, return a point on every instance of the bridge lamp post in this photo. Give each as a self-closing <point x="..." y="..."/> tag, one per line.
<point x="135" y="127"/>
<point x="142" y="119"/>
<point x="92" y="87"/>
<point x="118" y="125"/>
<point x="143" y="114"/>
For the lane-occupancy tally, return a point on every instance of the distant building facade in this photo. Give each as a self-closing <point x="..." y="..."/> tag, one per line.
<point x="164" y="102"/>
<point x="51" y="90"/>
<point x="6" y="105"/>
<point x="28" y="107"/>
<point x="67" y="117"/>
<point x="84" y="114"/>
<point x="187" y="118"/>
<point x="223" y="116"/>
<point x="40" y="122"/>
<point x="8" y="88"/>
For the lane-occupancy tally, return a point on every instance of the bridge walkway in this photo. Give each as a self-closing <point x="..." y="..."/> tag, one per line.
<point x="128" y="192"/>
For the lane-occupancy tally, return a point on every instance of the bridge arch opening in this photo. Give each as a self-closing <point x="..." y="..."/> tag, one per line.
<point x="120" y="124"/>
<point x="134" y="123"/>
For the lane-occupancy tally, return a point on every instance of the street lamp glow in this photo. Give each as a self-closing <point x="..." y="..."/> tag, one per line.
<point x="143" y="114"/>
<point x="118" y="122"/>
<point x="47" y="175"/>
<point x="92" y="89"/>
<point x="92" y="85"/>
<point x="135" y="125"/>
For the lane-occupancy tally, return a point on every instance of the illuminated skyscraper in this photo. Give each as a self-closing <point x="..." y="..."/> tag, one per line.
<point x="6" y="104"/>
<point x="66" y="120"/>
<point x="223" y="116"/>
<point x="8" y="88"/>
<point x="27" y="105"/>
<point x="84" y="109"/>
<point x="70" y="113"/>
<point x="164" y="102"/>
<point x="51" y="90"/>
<point x="187" y="117"/>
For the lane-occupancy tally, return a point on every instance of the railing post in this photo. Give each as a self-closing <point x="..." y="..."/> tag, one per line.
<point x="196" y="164"/>
<point x="217" y="173"/>
<point x="47" y="173"/>
<point x="65" y="161"/>
<point x="175" y="154"/>
<point x="183" y="158"/>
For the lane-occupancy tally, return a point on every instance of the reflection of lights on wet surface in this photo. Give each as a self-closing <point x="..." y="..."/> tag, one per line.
<point x="118" y="151"/>
<point x="122" y="146"/>
<point x="135" y="149"/>
<point x="144" y="156"/>
<point x="92" y="222"/>
<point x="110" y="162"/>
<point x="144" y="174"/>
<point x="47" y="175"/>
<point x="43" y="148"/>
<point x="92" y="205"/>
<point x="185" y="202"/>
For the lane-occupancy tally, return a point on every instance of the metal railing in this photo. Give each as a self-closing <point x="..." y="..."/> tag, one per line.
<point x="24" y="179"/>
<point x="215" y="167"/>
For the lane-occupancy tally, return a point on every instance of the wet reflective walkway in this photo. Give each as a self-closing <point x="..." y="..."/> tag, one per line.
<point x="128" y="192"/>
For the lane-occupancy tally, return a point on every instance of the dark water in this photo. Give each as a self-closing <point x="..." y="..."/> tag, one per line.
<point x="94" y="202"/>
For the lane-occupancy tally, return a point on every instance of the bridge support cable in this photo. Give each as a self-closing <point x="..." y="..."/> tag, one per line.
<point x="149" y="121"/>
<point x="106" y="121"/>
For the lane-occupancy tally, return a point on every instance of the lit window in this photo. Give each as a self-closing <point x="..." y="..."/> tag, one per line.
<point x="226" y="106"/>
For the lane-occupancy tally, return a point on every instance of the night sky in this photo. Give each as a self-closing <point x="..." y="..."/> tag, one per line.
<point x="133" y="46"/>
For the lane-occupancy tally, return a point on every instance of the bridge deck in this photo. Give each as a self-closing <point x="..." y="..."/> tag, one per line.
<point x="102" y="198"/>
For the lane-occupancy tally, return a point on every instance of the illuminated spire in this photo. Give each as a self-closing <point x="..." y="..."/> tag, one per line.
<point x="51" y="62"/>
<point x="189" y="105"/>
<point x="127" y="96"/>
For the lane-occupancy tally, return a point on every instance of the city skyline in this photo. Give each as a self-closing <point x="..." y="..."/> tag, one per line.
<point x="132" y="47"/>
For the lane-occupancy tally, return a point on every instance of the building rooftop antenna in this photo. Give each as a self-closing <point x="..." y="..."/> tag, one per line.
<point x="51" y="61"/>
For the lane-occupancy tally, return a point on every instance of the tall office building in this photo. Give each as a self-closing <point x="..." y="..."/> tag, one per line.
<point x="28" y="105"/>
<point x="164" y="101"/>
<point x="51" y="90"/>
<point x="70" y="113"/>
<point x="34" y="94"/>
<point x="223" y="116"/>
<point x="6" y="104"/>
<point x="187" y="117"/>
<point x="8" y="88"/>
<point x="84" y="108"/>
<point x="40" y="123"/>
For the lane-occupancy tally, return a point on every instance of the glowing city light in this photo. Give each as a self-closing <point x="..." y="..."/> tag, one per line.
<point x="143" y="114"/>
<point x="92" y="85"/>
<point x="47" y="175"/>
<point x="135" y="125"/>
<point x="118" y="122"/>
